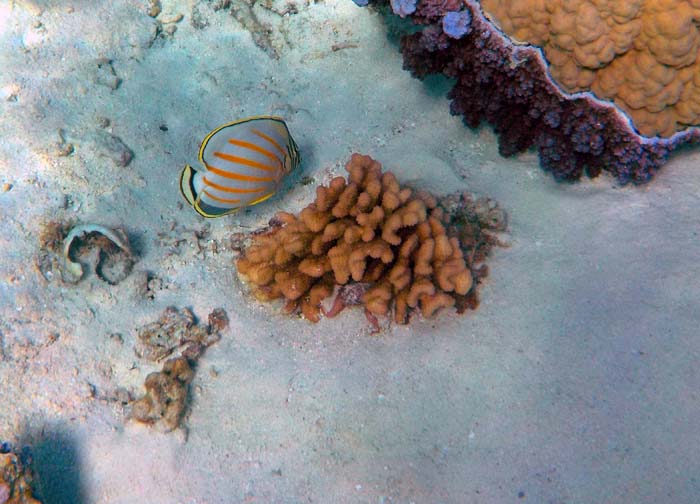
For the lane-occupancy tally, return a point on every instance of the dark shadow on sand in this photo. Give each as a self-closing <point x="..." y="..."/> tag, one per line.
<point x="57" y="467"/>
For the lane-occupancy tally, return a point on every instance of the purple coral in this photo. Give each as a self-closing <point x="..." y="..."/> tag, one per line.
<point x="457" y="24"/>
<point x="403" y="8"/>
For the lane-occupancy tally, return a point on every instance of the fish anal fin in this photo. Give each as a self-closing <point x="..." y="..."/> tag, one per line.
<point x="262" y="198"/>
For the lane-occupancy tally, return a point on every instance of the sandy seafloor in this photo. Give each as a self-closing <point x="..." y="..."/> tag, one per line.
<point x="576" y="380"/>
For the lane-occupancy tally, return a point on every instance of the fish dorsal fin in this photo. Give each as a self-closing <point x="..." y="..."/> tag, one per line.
<point x="231" y="124"/>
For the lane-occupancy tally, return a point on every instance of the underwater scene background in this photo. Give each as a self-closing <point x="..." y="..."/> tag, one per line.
<point x="520" y="296"/>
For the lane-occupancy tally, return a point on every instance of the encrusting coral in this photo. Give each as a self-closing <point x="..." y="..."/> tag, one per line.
<point x="385" y="246"/>
<point x="15" y="478"/>
<point x="641" y="54"/>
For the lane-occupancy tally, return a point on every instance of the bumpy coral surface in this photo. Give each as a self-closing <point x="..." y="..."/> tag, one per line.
<point x="388" y="246"/>
<point x="641" y="54"/>
<point x="509" y="86"/>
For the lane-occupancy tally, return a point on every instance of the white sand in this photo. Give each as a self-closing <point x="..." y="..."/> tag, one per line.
<point x="575" y="381"/>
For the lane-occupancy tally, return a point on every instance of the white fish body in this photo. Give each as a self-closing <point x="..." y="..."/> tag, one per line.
<point x="243" y="163"/>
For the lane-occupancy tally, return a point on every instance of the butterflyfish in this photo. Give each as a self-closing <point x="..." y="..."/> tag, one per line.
<point x="243" y="163"/>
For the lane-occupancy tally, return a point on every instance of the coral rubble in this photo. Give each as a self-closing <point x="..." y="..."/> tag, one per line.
<point x="15" y="478"/>
<point x="166" y="395"/>
<point x="174" y="329"/>
<point x="64" y="249"/>
<point x="165" y="401"/>
<point x="604" y="78"/>
<point x="384" y="246"/>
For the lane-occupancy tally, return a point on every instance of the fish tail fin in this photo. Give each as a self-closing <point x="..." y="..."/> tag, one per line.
<point x="187" y="188"/>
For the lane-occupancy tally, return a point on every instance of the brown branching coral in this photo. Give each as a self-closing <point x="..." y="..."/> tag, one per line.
<point x="401" y="248"/>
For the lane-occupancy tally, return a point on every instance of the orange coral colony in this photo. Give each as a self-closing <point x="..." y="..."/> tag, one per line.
<point x="641" y="54"/>
<point x="366" y="231"/>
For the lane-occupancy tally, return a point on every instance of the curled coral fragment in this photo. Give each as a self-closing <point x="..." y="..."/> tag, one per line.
<point x="106" y="239"/>
<point x="386" y="247"/>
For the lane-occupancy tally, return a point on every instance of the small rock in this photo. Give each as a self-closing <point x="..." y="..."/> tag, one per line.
<point x="112" y="147"/>
<point x="153" y="8"/>
<point x="122" y="395"/>
<point x="62" y="147"/>
<point x="63" y="150"/>
<point x="175" y="18"/>
<point x="103" y="122"/>
<point x="197" y="19"/>
<point x="105" y="75"/>
<point x="9" y="92"/>
<point x="31" y="7"/>
<point x="218" y="320"/>
<point x="6" y="187"/>
<point x="221" y="4"/>
<point x="88" y="390"/>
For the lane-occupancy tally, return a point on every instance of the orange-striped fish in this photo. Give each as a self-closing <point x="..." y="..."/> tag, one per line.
<point x="244" y="163"/>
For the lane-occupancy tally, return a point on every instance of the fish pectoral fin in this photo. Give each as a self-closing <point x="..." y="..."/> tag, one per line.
<point x="262" y="198"/>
